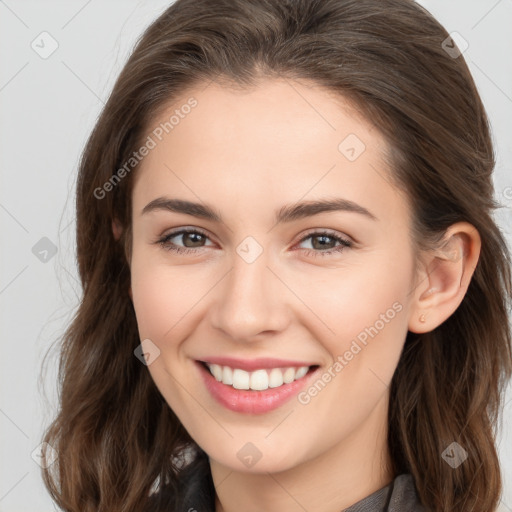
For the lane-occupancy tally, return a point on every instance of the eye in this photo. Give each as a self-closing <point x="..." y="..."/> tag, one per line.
<point x="324" y="243"/>
<point x="192" y="240"/>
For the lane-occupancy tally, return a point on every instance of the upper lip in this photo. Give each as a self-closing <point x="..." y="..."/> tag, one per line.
<point x="254" y="364"/>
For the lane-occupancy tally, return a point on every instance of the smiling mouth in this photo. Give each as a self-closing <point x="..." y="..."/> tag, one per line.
<point x="259" y="379"/>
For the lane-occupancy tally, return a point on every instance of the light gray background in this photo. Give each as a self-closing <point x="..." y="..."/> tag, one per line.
<point x="48" y="107"/>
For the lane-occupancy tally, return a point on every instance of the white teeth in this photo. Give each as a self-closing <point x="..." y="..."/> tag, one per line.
<point x="216" y="371"/>
<point x="258" y="380"/>
<point x="241" y="379"/>
<point x="275" y="378"/>
<point x="227" y="375"/>
<point x="289" y="375"/>
<point x="301" y="372"/>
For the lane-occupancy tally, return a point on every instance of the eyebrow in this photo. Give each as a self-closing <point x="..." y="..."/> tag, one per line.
<point x="287" y="213"/>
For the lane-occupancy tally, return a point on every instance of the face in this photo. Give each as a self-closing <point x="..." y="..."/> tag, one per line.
<point x="259" y="281"/>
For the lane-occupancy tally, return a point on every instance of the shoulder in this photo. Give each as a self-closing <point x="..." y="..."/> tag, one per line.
<point x="192" y="489"/>
<point x="403" y="496"/>
<point x="398" y="496"/>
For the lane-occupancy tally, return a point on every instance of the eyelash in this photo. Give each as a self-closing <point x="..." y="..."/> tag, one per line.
<point x="344" y="243"/>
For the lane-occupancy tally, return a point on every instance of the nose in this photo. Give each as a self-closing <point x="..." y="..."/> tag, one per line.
<point x="251" y="301"/>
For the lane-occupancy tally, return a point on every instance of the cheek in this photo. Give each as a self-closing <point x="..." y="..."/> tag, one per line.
<point x="163" y="295"/>
<point x="365" y="309"/>
<point x="358" y="301"/>
<point x="155" y="303"/>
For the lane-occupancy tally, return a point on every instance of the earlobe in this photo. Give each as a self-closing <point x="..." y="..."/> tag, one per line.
<point x="445" y="278"/>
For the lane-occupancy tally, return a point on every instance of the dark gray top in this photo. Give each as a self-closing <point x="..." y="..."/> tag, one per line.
<point x="399" y="496"/>
<point x="196" y="491"/>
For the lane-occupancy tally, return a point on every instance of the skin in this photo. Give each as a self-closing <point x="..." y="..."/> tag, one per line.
<point x="247" y="154"/>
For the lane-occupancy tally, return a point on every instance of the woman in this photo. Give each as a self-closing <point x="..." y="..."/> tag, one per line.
<point x="295" y="296"/>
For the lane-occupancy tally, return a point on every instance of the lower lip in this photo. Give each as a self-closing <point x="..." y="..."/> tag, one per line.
<point x="250" y="401"/>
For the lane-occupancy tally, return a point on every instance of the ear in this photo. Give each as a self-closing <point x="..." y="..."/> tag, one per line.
<point x="117" y="230"/>
<point x="444" y="277"/>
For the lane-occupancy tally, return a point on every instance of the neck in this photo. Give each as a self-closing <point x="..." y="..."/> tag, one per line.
<point x="334" y="480"/>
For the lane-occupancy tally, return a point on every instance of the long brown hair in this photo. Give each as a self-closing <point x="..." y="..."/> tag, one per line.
<point x="115" y="436"/>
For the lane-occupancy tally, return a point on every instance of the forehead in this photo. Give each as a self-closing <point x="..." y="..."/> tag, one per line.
<point x="274" y="111"/>
<point x="280" y="139"/>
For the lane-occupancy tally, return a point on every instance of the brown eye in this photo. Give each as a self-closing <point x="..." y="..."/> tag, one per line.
<point x="190" y="239"/>
<point x="325" y="243"/>
<point x="195" y="239"/>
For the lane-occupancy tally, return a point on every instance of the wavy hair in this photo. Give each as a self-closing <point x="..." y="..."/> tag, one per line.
<point x="116" y="438"/>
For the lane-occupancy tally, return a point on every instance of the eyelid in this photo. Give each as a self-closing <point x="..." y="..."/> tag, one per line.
<point x="328" y="232"/>
<point x="344" y="240"/>
<point x="303" y="236"/>
<point x="183" y="230"/>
